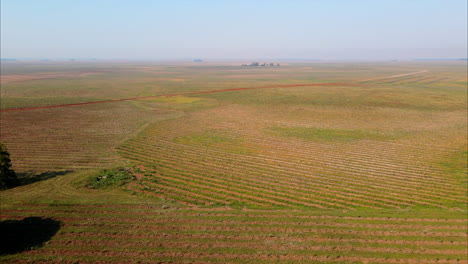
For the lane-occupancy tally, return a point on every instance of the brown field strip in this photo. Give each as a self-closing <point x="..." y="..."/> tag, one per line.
<point x="153" y="211"/>
<point x="216" y="257"/>
<point x="120" y="220"/>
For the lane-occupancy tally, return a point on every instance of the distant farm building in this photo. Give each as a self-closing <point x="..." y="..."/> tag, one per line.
<point x="256" y="64"/>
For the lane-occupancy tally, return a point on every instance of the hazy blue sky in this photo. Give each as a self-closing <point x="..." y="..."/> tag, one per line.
<point x="244" y="29"/>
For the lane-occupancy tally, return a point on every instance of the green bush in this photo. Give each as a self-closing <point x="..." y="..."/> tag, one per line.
<point x="8" y="177"/>
<point x="108" y="178"/>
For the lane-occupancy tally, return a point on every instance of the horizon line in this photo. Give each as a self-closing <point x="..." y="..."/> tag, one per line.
<point x="71" y="59"/>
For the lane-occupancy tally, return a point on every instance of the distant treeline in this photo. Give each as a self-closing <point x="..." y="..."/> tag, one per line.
<point x="462" y="59"/>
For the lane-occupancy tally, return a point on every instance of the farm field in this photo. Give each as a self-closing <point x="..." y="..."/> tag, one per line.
<point x="309" y="162"/>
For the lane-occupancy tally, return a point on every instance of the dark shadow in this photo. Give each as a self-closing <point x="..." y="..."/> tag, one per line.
<point x="30" y="233"/>
<point x="26" y="178"/>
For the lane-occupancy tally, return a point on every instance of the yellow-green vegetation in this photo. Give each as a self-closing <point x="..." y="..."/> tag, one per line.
<point x="216" y="140"/>
<point x="177" y="99"/>
<point x="372" y="170"/>
<point x="457" y="166"/>
<point x="332" y="134"/>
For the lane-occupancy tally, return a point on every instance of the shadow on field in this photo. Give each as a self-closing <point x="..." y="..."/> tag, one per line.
<point x="30" y="177"/>
<point x="27" y="234"/>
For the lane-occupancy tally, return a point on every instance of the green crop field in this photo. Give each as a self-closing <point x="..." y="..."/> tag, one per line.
<point x="308" y="162"/>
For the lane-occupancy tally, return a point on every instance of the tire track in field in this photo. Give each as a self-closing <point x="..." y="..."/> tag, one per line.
<point x="394" y="76"/>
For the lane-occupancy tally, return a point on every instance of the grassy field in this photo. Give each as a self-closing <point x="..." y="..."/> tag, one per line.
<point x="367" y="164"/>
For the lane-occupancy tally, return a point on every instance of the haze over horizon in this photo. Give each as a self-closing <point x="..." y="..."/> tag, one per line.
<point x="325" y="30"/>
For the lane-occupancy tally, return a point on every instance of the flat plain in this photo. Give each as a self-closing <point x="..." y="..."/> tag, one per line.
<point x="307" y="162"/>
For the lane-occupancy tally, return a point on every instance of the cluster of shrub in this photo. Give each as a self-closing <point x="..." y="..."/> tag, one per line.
<point x="110" y="178"/>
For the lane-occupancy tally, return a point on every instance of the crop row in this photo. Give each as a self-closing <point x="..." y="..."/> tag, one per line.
<point x="189" y="220"/>
<point x="317" y="159"/>
<point x="71" y="137"/>
<point x="238" y="236"/>
<point x="193" y="162"/>
<point x="368" y="154"/>
<point x="186" y="152"/>
<point x="247" y="183"/>
<point x="200" y="256"/>
<point x="178" y="176"/>
<point x="377" y="167"/>
<point x="278" y="184"/>
<point x="152" y="212"/>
